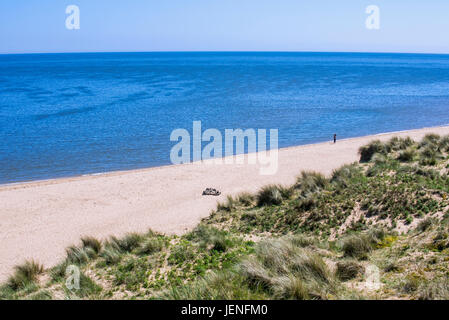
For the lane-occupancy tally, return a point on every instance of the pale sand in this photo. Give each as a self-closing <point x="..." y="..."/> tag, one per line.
<point x="40" y="219"/>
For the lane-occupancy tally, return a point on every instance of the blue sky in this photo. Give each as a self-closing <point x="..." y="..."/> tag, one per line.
<point x="224" y="25"/>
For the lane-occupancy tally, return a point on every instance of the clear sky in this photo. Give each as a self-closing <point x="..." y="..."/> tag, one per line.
<point x="224" y="25"/>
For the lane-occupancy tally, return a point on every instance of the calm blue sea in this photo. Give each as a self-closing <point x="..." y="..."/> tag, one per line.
<point x="71" y="114"/>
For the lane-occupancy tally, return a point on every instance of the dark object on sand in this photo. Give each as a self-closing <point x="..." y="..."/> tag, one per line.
<point x="335" y="137"/>
<point x="211" y="192"/>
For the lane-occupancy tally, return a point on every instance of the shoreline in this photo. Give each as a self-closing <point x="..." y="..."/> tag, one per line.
<point x="127" y="171"/>
<point x="39" y="219"/>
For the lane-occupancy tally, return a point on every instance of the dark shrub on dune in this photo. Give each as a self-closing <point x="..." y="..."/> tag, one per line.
<point x="379" y="159"/>
<point x="150" y="246"/>
<point x="210" y="237"/>
<point x="130" y="242"/>
<point x="349" y="269"/>
<point x="444" y="143"/>
<point x="93" y="243"/>
<point x="57" y="273"/>
<point x="357" y="246"/>
<point x="286" y="192"/>
<point x="272" y="195"/>
<point x="89" y="249"/>
<point x="111" y="254"/>
<point x="309" y="182"/>
<point x="366" y="152"/>
<point x="407" y="155"/>
<point x="429" y="155"/>
<point x="114" y="248"/>
<point x="431" y="140"/>
<point x="24" y="274"/>
<point x="246" y="198"/>
<point x="397" y="143"/>
<point x="77" y="255"/>
<point x="307" y="203"/>
<point x="341" y="177"/>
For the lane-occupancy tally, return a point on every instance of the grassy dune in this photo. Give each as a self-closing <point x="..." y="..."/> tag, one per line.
<point x="384" y="218"/>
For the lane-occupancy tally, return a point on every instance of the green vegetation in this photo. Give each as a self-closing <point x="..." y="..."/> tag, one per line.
<point x="316" y="239"/>
<point x="25" y="275"/>
<point x="349" y="269"/>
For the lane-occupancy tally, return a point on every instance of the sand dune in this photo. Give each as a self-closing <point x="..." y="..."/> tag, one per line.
<point x="40" y="219"/>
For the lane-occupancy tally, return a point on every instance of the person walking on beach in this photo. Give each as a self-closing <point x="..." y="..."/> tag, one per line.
<point x="335" y="138"/>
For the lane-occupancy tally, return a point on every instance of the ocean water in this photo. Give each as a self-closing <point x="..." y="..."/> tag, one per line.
<point x="72" y="114"/>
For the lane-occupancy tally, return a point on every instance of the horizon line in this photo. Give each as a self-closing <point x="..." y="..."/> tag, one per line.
<point x="224" y="51"/>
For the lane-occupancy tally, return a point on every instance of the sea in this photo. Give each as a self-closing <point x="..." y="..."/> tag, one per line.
<point x="73" y="114"/>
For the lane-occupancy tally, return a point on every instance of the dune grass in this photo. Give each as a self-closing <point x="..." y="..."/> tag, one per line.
<point x="348" y="270"/>
<point x="25" y="274"/>
<point x="315" y="239"/>
<point x="279" y="270"/>
<point x="272" y="195"/>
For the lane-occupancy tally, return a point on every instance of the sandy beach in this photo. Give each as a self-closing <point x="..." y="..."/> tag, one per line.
<point x="40" y="219"/>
